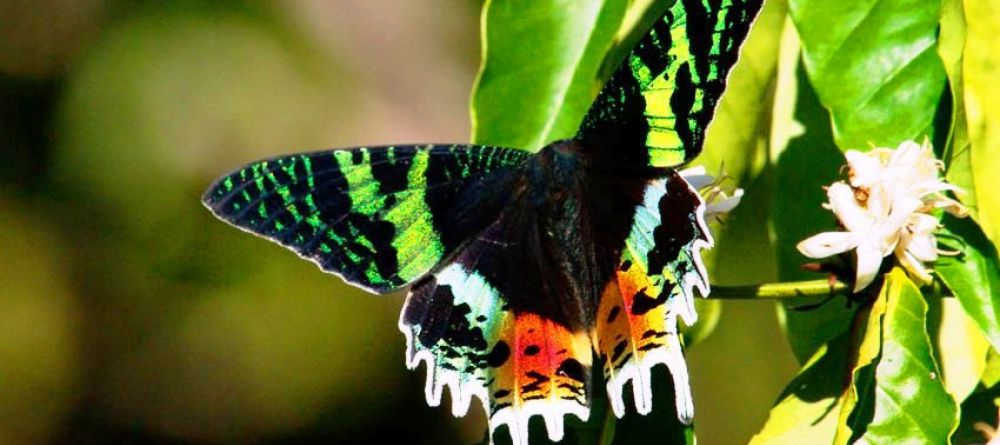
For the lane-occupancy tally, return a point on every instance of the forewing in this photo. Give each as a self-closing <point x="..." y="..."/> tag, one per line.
<point x="654" y="110"/>
<point x="636" y="323"/>
<point x="379" y="217"/>
<point x="477" y="337"/>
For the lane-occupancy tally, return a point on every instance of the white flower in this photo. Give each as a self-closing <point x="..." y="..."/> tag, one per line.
<point x="885" y="210"/>
<point x="717" y="201"/>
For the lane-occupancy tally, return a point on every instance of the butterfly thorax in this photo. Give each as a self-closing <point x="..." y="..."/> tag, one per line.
<point x="545" y="228"/>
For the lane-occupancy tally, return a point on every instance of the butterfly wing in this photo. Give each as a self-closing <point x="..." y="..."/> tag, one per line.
<point x="654" y="110"/>
<point x="494" y="324"/>
<point x="380" y="217"/>
<point x="636" y="323"/>
<point x="653" y="114"/>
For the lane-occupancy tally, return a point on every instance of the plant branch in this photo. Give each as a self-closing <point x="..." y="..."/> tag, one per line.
<point x="779" y="291"/>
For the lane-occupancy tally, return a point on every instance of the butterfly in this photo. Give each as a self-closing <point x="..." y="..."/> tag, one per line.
<point x="523" y="267"/>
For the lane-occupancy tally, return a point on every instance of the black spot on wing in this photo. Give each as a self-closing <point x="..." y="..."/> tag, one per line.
<point x="653" y="49"/>
<point x="678" y="227"/>
<point x="535" y="384"/>
<point x="617" y="351"/>
<point x="643" y="303"/>
<point x="432" y="311"/>
<point x="613" y="314"/>
<point x="390" y="167"/>
<point x="498" y="355"/>
<point x="682" y="104"/>
<point x="700" y="26"/>
<point x="573" y="369"/>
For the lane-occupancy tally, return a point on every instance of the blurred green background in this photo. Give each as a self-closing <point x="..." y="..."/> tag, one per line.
<point x="130" y="315"/>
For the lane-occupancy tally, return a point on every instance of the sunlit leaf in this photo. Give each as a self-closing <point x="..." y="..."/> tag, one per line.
<point x="874" y="66"/>
<point x="897" y="390"/>
<point x="973" y="275"/>
<point x="957" y="153"/>
<point x="982" y="104"/>
<point x="991" y="375"/>
<point x="808" y="408"/>
<point x="960" y="345"/>
<point x="540" y="68"/>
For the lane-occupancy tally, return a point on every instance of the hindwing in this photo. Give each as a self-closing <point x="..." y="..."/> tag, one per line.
<point x="487" y="328"/>
<point x="636" y="323"/>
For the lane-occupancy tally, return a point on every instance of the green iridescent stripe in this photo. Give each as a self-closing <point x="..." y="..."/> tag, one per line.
<point x="418" y="247"/>
<point x="664" y="144"/>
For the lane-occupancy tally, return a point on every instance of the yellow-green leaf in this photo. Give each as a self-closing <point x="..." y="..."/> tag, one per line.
<point x="808" y="408"/>
<point x="973" y="275"/>
<point x="960" y="345"/>
<point x="957" y="153"/>
<point x="897" y="391"/>
<point x="982" y="104"/>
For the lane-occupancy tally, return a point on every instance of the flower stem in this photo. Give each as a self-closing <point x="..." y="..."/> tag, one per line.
<point x="778" y="291"/>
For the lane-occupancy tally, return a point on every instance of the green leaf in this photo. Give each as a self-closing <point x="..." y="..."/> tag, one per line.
<point x="973" y="275"/>
<point x="957" y="154"/>
<point x="982" y="105"/>
<point x="991" y="375"/>
<point x="540" y="67"/>
<point x="874" y="66"/>
<point x="808" y="407"/>
<point x="897" y="390"/>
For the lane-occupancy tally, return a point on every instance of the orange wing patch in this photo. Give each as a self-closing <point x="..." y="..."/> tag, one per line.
<point x="518" y="364"/>
<point x="547" y="372"/>
<point x="631" y="341"/>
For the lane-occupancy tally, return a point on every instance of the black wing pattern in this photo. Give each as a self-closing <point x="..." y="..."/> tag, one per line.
<point x="380" y="217"/>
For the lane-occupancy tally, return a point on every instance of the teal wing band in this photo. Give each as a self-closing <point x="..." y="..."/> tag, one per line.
<point x="654" y="110"/>
<point x="379" y="217"/>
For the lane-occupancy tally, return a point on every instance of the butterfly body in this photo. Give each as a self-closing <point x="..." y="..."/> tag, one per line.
<point x="527" y="270"/>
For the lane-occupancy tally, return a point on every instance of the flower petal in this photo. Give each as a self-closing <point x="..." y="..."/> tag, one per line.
<point x="922" y="248"/>
<point x="914" y="266"/>
<point x="845" y="206"/>
<point x="866" y="169"/>
<point x="724" y="205"/>
<point x="903" y="207"/>
<point x="951" y="206"/>
<point x="907" y="154"/>
<point x="869" y="263"/>
<point x="827" y="244"/>
<point x="697" y="177"/>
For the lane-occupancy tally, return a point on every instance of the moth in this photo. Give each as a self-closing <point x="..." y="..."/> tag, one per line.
<point x="524" y="267"/>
